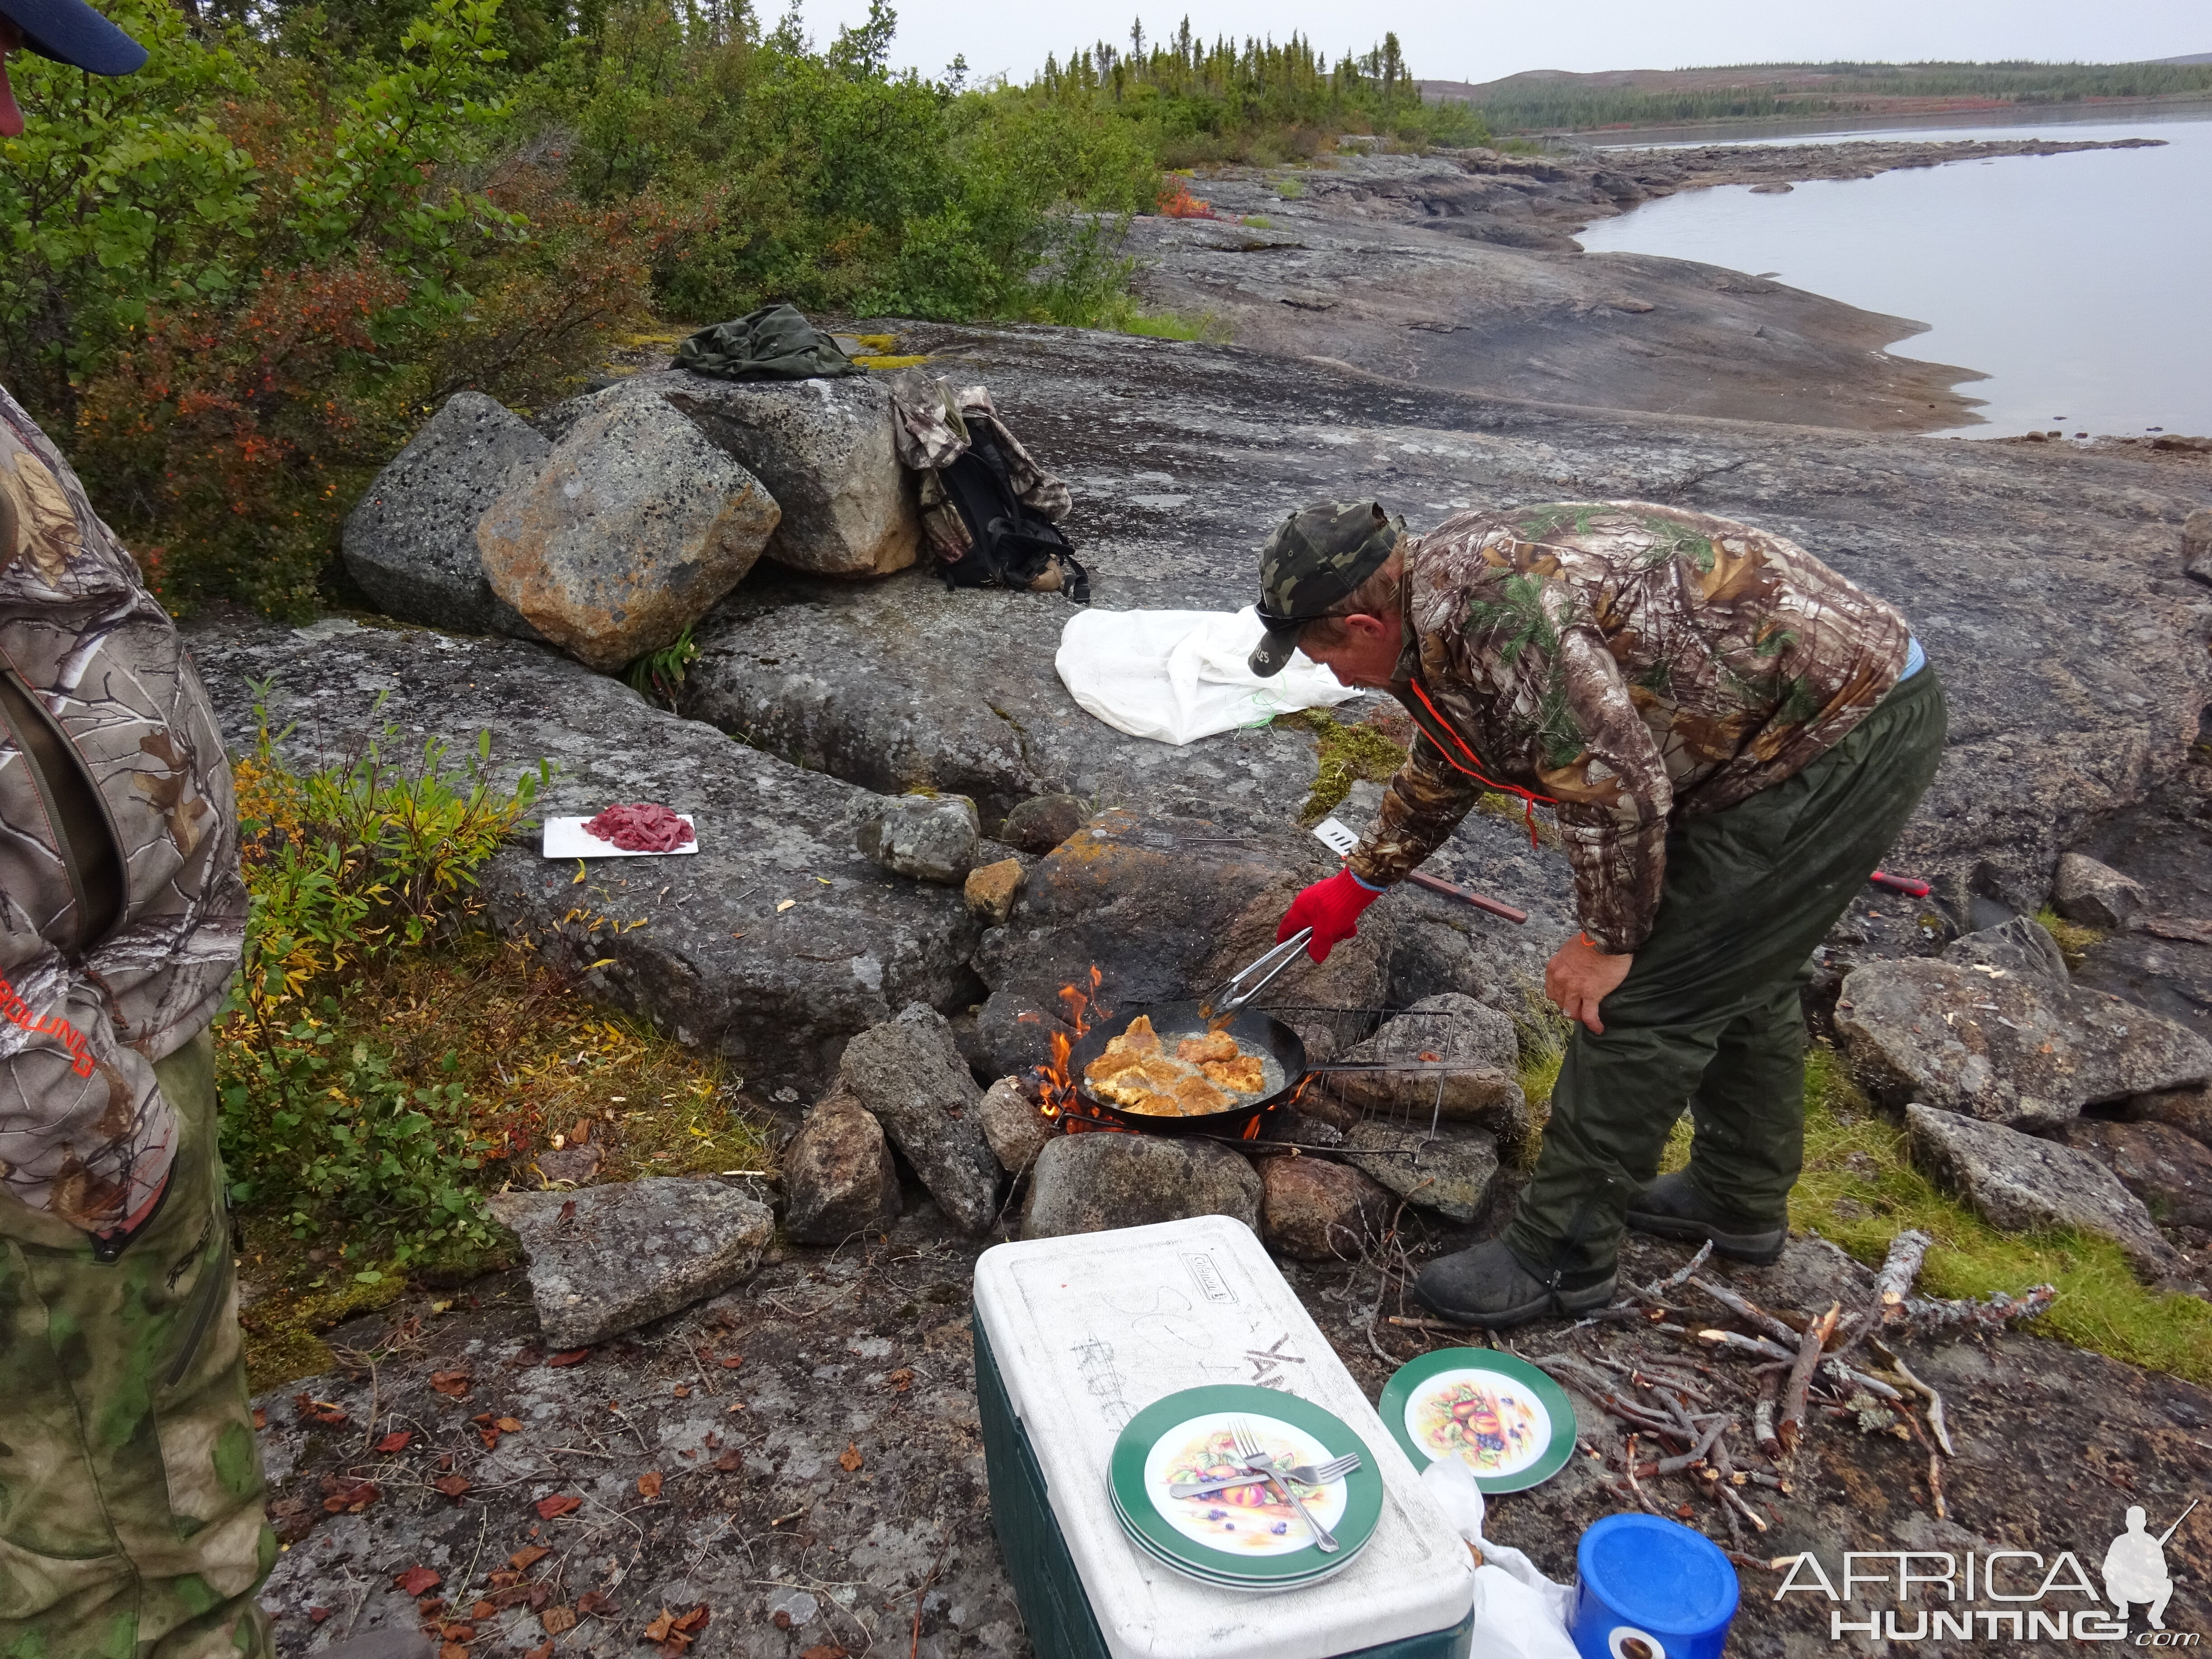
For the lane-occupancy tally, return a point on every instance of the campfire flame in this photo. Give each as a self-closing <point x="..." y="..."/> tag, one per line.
<point x="1056" y="1093"/>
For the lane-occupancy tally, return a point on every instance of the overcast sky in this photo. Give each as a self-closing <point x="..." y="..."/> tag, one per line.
<point x="1455" y="40"/>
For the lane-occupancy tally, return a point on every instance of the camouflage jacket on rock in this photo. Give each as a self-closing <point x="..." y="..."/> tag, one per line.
<point x="114" y="956"/>
<point x="1628" y="662"/>
<point x="930" y="424"/>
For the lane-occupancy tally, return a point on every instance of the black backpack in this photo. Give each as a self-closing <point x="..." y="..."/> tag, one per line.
<point x="1012" y="547"/>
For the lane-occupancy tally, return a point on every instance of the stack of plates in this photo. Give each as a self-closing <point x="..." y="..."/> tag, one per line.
<point x="1246" y="1538"/>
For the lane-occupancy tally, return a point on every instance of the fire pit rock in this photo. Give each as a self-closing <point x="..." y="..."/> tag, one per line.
<point x="2096" y="894"/>
<point x="838" y="1176"/>
<point x="1165" y="908"/>
<point x="1474" y="1045"/>
<point x="1098" y="1181"/>
<point x="605" y="1260"/>
<point x="1318" y="1211"/>
<point x="909" y="1073"/>
<point x="1017" y="1131"/>
<point x="1451" y="1172"/>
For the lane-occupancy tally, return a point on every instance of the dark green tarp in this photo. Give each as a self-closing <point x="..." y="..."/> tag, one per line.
<point x="775" y="343"/>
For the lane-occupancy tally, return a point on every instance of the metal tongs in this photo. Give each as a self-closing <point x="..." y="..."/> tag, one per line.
<point x="1233" y="995"/>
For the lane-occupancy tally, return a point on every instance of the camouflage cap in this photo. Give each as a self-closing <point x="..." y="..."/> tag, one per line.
<point x="1312" y="560"/>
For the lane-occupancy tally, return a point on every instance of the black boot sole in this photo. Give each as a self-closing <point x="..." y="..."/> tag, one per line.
<point x="1761" y="1249"/>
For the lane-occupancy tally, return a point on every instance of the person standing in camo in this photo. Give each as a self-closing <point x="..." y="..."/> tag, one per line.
<point x="131" y="1484"/>
<point x="1731" y="735"/>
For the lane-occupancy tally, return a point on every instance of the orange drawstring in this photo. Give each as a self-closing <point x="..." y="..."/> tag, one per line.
<point x="1529" y="798"/>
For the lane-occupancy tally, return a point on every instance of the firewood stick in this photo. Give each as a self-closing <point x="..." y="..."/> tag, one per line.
<point x="1628" y="1467"/>
<point x="1578" y="1376"/>
<point x="1729" y="1495"/>
<point x="1937" y="1423"/>
<point x="1892" y="1286"/>
<point x="1791" y="1424"/>
<point x="1657" y="1291"/>
<point x="1747" y="1311"/>
<point x="1762" y="1415"/>
<point x="1927" y="1313"/>
<point x="1830" y="1366"/>
<point x="1936" y="1485"/>
<point x="1696" y="1454"/>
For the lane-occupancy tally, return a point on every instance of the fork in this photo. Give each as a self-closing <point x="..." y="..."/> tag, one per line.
<point x="1247" y="1449"/>
<point x="1305" y="1474"/>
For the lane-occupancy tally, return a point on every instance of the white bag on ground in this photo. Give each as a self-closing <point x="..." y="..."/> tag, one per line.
<point x="1518" y="1613"/>
<point x="1178" y="676"/>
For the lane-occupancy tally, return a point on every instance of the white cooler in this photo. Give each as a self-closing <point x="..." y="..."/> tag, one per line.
<point x="1074" y="1337"/>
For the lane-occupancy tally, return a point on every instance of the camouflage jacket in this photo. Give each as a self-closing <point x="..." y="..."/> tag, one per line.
<point x="929" y="429"/>
<point x="1628" y="663"/>
<point x="122" y="913"/>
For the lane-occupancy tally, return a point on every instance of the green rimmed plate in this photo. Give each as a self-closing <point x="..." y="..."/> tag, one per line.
<point x="1327" y="1566"/>
<point x="1244" y="1536"/>
<point x="1511" y="1426"/>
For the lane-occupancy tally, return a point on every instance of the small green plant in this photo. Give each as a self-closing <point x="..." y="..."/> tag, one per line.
<point x="2073" y="939"/>
<point x="1257" y="221"/>
<point x="1346" y="754"/>
<point x="1292" y="189"/>
<point x="657" y="676"/>
<point x="1122" y="314"/>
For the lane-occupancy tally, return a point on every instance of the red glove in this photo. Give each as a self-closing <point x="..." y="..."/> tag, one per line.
<point x="1331" y="909"/>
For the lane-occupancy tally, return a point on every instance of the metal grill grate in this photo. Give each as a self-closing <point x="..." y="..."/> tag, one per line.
<point x="1391" y="1065"/>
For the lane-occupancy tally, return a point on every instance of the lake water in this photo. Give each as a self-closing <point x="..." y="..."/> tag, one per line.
<point x="2081" y="285"/>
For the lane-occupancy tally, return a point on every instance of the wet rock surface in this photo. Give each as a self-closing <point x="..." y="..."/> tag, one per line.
<point x="2020" y="1051"/>
<point x="2024" y="1183"/>
<point x="838" y="1176"/>
<point x="633" y="528"/>
<point x="763" y="1515"/>
<point x="720" y="959"/>
<point x="2166" y="1167"/>
<point x="909" y="1073"/>
<point x="1088" y="1183"/>
<point x="1459" y="269"/>
<point x="2046" y="587"/>
<point x="2020" y="946"/>
<point x="605" y="1260"/>
<point x="2095" y="894"/>
<point x="410" y="541"/>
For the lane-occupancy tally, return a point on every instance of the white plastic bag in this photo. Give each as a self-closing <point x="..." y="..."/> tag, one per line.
<point x="1178" y="676"/>
<point x="1518" y="1613"/>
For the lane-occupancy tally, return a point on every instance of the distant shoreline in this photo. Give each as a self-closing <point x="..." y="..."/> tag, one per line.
<point x="1752" y="129"/>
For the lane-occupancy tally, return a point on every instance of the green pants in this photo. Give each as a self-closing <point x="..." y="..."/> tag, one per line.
<point x="131" y="1488"/>
<point x="1709" y="1016"/>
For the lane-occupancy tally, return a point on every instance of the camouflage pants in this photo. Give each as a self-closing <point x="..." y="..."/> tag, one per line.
<point x="131" y="1488"/>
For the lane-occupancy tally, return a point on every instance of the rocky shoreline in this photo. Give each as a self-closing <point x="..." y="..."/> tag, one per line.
<point x="1459" y="269"/>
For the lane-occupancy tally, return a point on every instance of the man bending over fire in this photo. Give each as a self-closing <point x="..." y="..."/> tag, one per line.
<point x="1731" y="734"/>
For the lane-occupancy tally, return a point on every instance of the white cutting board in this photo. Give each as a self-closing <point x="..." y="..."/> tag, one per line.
<point x="566" y="838"/>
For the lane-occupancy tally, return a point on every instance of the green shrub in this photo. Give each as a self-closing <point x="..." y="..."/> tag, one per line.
<point x="345" y="866"/>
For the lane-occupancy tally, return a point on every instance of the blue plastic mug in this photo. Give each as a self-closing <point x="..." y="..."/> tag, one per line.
<point x="1650" y="1588"/>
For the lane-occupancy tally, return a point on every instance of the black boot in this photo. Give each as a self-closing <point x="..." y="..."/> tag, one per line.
<point x="1488" y="1286"/>
<point x="1674" y="1208"/>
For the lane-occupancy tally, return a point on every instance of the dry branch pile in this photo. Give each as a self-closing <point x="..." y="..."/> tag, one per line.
<point x="1727" y="1426"/>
